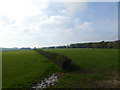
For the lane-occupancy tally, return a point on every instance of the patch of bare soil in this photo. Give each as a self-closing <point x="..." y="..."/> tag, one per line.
<point x="112" y="83"/>
<point x="108" y="84"/>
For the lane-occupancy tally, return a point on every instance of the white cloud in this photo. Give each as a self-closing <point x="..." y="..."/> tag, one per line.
<point x="73" y="8"/>
<point x="57" y="30"/>
<point x="86" y="26"/>
<point x="20" y="9"/>
<point x="26" y="23"/>
<point x="16" y="8"/>
<point x="14" y="24"/>
<point x="56" y="22"/>
<point x="5" y="21"/>
<point x="54" y="30"/>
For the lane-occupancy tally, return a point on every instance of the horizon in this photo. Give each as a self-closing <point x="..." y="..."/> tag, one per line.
<point x="57" y="45"/>
<point x="44" y="24"/>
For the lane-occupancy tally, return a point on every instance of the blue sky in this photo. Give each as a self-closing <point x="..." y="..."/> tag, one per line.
<point x="37" y="24"/>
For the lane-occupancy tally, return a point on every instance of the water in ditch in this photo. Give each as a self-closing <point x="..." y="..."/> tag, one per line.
<point x="47" y="82"/>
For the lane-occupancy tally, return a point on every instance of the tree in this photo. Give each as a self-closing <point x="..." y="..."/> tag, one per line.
<point x="109" y="45"/>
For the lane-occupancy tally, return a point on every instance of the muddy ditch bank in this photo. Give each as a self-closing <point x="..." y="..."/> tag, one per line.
<point x="63" y="61"/>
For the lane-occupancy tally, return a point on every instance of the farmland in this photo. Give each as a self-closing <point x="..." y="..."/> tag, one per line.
<point x="92" y="68"/>
<point x="22" y="68"/>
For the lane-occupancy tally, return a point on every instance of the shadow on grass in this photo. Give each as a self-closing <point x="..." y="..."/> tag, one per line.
<point x="61" y="60"/>
<point x="73" y="68"/>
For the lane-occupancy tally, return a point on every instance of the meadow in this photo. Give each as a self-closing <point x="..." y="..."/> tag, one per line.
<point x="92" y="68"/>
<point x="95" y="68"/>
<point x="23" y="68"/>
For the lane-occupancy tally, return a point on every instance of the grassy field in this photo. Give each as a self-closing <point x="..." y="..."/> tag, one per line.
<point x="94" y="68"/>
<point x="22" y="68"/>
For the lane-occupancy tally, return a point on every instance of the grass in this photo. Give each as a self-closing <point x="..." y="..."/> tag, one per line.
<point x="94" y="66"/>
<point x="23" y="68"/>
<point x="58" y="59"/>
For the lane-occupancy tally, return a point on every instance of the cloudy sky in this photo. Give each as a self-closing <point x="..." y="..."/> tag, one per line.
<point x="31" y="23"/>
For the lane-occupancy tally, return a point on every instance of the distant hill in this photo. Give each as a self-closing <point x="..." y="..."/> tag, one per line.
<point x="8" y="49"/>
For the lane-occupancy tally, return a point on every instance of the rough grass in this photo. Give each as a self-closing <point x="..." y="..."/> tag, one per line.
<point x="92" y="68"/>
<point x="61" y="60"/>
<point x="23" y="68"/>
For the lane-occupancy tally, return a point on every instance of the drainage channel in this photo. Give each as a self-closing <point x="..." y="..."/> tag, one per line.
<point x="47" y="82"/>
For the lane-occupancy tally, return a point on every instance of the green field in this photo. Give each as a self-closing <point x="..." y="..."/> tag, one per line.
<point x="92" y="68"/>
<point x="21" y="68"/>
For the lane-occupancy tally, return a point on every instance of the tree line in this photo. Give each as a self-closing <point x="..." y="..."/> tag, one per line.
<point x="102" y="44"/>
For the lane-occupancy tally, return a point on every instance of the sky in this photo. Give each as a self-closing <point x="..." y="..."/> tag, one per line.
<point x="31" y="23"/>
